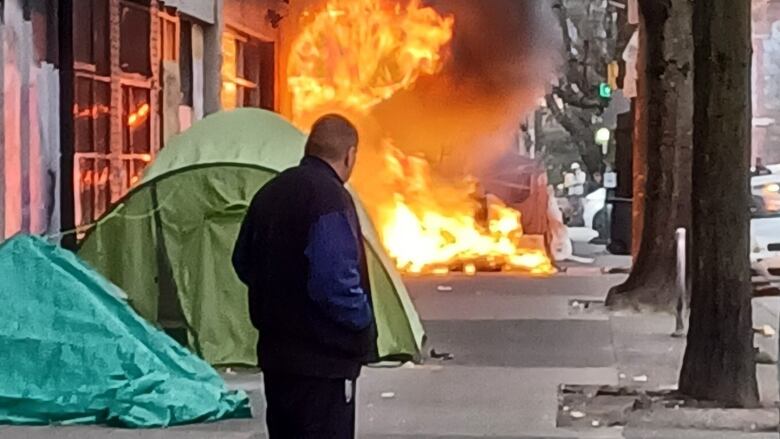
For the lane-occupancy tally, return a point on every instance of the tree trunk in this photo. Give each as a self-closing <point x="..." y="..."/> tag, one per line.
<point x="719" y="360"/>
<point x="662" y="154"/>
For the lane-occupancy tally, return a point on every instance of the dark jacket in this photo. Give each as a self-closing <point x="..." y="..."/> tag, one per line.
<point x="301" y="253"/>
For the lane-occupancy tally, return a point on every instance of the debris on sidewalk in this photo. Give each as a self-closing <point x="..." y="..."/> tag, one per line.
<point x="641" y="379"/>
<point x="766" y="331"/>
<point x="617" y="270"/>
<point x="388" y="395"/>
<point x="444" y="288"/>
<point x="586" y="306"/>
<point x="584" y="407"/>
<point x="576" y="414"/>
<point x="445" y="356"/>
<point x="765" y="358"/>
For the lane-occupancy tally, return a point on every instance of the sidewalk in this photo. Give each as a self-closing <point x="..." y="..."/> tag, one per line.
<point x="514" y="340"/>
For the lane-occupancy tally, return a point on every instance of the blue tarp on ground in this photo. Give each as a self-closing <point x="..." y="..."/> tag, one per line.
<point x="72" y="351"/>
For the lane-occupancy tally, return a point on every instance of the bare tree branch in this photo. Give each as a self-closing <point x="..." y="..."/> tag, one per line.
<point x="579" y="100"/>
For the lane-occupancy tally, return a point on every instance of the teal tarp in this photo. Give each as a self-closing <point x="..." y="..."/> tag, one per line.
<point x="72" y="351"/>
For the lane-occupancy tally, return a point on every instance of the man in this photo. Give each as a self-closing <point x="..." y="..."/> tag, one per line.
<point x="595" y="183"/>
<point x="575" y="181"/>
<point x="300" y="252"/>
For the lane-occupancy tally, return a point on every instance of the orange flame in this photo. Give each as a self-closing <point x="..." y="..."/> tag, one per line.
<point x="359" y="53"/>
<point x="139" y="116"/>
<point x="426" y="229"/>
<point x="355" y="54"/>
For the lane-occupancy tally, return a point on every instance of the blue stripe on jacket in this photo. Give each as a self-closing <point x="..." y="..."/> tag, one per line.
<point x="334" y="272"/>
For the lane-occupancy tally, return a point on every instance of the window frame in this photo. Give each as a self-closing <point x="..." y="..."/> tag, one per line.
<point x="236" y="78"/>
<point x="122" y="168"/>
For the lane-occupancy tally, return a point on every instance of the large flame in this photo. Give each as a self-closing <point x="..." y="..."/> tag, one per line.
<point x="358" y="53"/>
<point x="355" y="54"/>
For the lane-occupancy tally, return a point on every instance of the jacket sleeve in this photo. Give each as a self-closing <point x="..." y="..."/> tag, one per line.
<point x="334" y="273"/>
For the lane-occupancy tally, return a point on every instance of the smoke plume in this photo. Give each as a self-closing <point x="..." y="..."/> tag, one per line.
<point x="501" y="57"/>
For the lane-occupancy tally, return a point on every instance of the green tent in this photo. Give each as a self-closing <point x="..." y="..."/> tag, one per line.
<point x="168" y="243"/>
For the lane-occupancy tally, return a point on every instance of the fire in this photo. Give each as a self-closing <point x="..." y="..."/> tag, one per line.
<point x="424" y="232"/>
<point x="358" y="53"/>
<point x="355" y="54"/>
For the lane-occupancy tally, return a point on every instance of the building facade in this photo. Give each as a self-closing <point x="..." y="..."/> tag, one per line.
<point x="94" y="88"/>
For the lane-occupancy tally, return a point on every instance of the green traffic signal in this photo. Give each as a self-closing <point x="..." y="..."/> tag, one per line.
<point x="605" y="91"/>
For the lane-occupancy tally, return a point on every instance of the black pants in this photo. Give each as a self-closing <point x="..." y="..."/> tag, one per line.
<point x="308" y="408"/>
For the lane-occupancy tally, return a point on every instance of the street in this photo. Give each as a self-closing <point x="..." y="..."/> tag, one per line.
<point x="413" y="178"/>
<point x="514" y="341"/>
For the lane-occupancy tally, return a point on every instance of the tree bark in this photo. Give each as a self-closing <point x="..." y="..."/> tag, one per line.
<point x="662" y="154"/>
<point x="719" y="361"/>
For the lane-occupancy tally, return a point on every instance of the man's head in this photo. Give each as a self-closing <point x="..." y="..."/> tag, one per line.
<point x="335" y="140"/>
<point x="759" y="161"/>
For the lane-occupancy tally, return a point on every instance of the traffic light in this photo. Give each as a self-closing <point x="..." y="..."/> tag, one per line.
<point x="605" y="91"/>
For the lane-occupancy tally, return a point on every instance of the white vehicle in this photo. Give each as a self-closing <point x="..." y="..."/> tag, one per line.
<point x="767" y="189"/>
<point x="765" y="230"/>
<point x="594" y="214"/>
<point x="594" y="203"/>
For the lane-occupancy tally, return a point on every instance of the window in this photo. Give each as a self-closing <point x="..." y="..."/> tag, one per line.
<point x="93" y="189"/>
<point x="185" y="64"/>
<point x="134" y="31"/>
<point x="169" y="37"/>
<point x="247" y="72"/>
<point x="136" y="126"/>
<point x="92" y="115"/>
<point x="91" y="36"/>
<point x="106" y="163"/>
<point x="92" y="141"/>
<point x="136" y="133"/>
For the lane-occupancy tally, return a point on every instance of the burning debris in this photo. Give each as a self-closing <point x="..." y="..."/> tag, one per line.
<point x="353" y="55"/>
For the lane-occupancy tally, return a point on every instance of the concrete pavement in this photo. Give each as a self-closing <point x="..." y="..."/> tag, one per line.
<point x="514" y="341"/>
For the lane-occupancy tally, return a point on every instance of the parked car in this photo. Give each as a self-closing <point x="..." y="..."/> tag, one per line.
<point x="594" y="202"/>
<point x="767" y="189"/>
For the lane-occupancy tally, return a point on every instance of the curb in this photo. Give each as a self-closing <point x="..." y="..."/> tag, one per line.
<point x="745" y="420"/>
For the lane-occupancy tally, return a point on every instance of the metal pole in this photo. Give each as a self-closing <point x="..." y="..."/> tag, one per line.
<point x="681" y="283"/>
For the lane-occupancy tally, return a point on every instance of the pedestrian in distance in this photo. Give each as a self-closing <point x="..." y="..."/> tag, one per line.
<point x="300" y="252"/>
